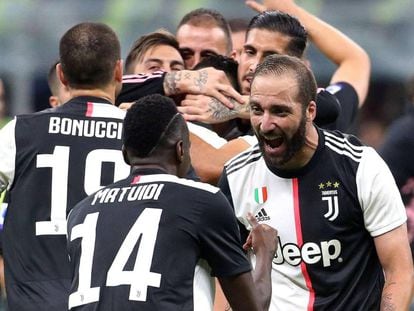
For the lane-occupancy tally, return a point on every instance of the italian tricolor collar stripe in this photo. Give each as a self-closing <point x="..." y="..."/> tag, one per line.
<point x="260" y="195"/>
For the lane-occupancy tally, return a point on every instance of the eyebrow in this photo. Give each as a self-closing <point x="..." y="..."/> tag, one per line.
<point x="186" y="50"/>
<point x="176" y="62"/>
<point x="265" y="53"/>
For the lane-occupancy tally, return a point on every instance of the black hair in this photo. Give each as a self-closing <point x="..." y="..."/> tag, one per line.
<point x="223" y="63"/>
<point x="285" y="24"/>
<point x="150" y="123"/>
<point x="278" y="65"/>
<point x="88" y="55"/>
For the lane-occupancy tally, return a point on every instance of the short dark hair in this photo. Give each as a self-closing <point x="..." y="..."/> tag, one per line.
<point x="151" y="123"/>
<point x="208" y="17"/>
<point x="52" y="79"/>
<point x="88" y="55"/>
<point x="285" y="24"/>
<point x="279" y="65"/>
<point x="144" y="43"/>
<point x="238" y="24"/>
<point x="223" y="63"/>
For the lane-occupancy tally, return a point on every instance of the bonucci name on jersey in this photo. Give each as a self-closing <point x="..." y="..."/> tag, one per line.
<point x="85" y="128"/>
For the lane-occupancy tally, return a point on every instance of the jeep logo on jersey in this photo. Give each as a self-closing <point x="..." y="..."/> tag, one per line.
<point x="310" y="252"/>
<point x="329" y="192"/>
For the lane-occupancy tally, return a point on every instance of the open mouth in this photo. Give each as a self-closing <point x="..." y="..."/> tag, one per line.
<point x="274" y="142"/>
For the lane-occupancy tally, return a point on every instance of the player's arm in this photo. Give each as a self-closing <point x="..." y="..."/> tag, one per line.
<point x="208" y="81"/>
<point x="209" y="110"/>
<point x="396" y="260"/>
<point x="262" y="241"/>
<point x="353" y="62"/>
<point x="209" y="161"/>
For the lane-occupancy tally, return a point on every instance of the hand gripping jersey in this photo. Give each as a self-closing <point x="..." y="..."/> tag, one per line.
<point x="51" y="160"/>
<point x="136" y="244"/>
<point x="326" y="214"/>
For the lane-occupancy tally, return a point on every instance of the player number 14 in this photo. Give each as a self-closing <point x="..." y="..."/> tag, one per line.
<point x="146" y="228"/>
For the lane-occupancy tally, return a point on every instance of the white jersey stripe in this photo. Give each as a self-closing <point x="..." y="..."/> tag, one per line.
<point x="332" y="137"/>
<point x="341" y="151"/>
<point x="175" y="179"/>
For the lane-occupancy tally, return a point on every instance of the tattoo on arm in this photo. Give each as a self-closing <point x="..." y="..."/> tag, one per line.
<point x="201" y="80"/>
<point x="221" y="113"/>
<point x="387" y="302"/>
<point x="187" y="75"/>
<point x="170" y="83"/>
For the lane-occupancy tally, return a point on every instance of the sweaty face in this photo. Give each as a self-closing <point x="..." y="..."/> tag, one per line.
<point x="259" y="44"/>
<point x="277" y="119"/>
<point x="160" y="57"/>
<point x="199" y="42"/>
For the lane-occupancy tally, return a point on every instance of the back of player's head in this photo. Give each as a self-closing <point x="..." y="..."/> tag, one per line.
<point x="146" y="42"/>
<point x="285" y="24"/>
<point x="223" y="63"/>
<point x="153" y="124"/>
<point x="208" y="18"/>
<point x="285" y="65"/>
<point x="88" y="55"/>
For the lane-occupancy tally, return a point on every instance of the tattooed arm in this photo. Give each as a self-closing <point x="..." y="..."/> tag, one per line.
<point x="209" y="110"/>
<point x="395" y="256"/>
<point x="207" y="81"/>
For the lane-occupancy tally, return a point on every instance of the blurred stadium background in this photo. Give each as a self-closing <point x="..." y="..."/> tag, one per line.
<point x="30" y="32"/>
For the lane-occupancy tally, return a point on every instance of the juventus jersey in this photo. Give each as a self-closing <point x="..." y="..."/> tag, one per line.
<point x="327" y="214"/>
<point x="135" y="245"/>
<point x="50" y="161"/>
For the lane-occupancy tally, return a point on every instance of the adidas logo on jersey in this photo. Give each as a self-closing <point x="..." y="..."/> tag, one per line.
<point x="262" y="215"/>
<point x="310" y="253"/>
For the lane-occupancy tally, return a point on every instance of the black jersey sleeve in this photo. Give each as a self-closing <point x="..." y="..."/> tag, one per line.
<point x="327" y="108"/>
<point x="136" y="86"/>
<point x="348" y="101"/>
<point x="220" y="239"/>
<point x="223" y="184"/>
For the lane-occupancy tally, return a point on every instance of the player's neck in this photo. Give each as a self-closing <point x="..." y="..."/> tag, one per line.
<point x="101" y="93"/>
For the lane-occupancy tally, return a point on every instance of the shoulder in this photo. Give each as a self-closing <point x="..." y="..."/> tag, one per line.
<point x="251" y="155"/>
<point x="181" y="182"/>
<point x="343" y="144"/>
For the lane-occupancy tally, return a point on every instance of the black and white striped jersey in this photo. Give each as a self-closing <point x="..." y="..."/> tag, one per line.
<point x="136" y="244"/>
<point x="326" y="214"/>
<point x="51" y="160"/>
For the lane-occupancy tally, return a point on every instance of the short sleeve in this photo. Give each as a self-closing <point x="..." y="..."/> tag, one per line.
<point x="379" y="197"/>
<point x="220" y="238"/>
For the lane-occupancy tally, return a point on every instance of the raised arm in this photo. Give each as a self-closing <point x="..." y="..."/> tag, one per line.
<point x="353" y="62"/>
<point x="238" y="290"/>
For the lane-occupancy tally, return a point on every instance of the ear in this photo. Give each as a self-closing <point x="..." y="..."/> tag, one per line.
<point x="125" y="155"/>
<point x="233" y="54"/>
<point x="60" y="74"/>
<point x="179" y="151"/>
<point x="53" y="101"/>
<point x="311" y="111"/>
<point x="118" y="70"/>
